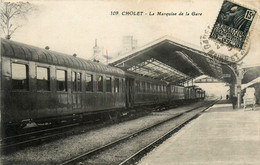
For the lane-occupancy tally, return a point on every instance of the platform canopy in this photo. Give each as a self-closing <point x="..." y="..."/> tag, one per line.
<point x="171" y="61"/>
<point x="251" y="72"/>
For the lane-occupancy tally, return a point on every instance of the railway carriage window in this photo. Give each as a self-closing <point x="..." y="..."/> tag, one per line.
<point x="43" y="79"/>
<point x="137" y="86"/>
<point x="76" y="81"/>
<point x="148" y="87"/>
<point x="116" y="85"/>
<point x="73" y="80"/>
<point x="163" y="88"/>
<point x="79" y="78"/>
<point x="100" y="83"/>
<point x="108" y="84"/>
<point x="61" y="80"/>
<point x="142" y="86"/>
<point x="122" y="86"/>
<point x="89" y="82"/>
<point x="20" y="76"/>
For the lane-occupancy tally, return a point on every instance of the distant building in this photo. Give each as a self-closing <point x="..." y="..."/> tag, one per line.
<point x="98" y="53"/>
<point x="128" y="44"/>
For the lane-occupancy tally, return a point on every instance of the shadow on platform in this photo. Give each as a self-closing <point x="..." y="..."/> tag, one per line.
<point x="224" y="102"/>
<point x="222" y="107"/>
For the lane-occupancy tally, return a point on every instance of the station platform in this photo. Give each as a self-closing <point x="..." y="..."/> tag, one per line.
<point x="221" y="135"/>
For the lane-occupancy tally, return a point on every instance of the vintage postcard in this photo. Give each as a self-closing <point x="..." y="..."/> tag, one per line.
<point x="145" y="82"/>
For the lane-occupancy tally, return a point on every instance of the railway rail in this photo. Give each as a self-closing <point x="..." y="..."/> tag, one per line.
<point x="26" y="138"/>
<point x="30" y="137"/>
<point x="92" y="156"/>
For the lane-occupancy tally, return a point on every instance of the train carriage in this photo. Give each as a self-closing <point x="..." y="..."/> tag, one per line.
<point x="176" y="94"/>
<point x="199" y="93"/>
<point x="144" y="91"/>
<point x="39" y="84"/>
<point x="193" y="93"/>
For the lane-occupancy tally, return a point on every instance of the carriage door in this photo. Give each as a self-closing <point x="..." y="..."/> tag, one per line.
<point x="129" y="92"/>
<point x="76" y="91"/>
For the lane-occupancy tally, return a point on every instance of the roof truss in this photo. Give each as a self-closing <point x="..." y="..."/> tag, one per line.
<point x="158" y="70"/>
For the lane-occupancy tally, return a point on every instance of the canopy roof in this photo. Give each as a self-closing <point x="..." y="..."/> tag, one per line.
<point x="251" y="72"/>
<point x="165" y="59"/>
<point x="27" y="52"/>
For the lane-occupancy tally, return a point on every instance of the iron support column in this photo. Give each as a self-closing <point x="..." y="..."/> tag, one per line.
<point x="239" y="82"/>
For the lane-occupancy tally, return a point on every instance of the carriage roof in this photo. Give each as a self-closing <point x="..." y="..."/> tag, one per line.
<point x="31" y="53"/>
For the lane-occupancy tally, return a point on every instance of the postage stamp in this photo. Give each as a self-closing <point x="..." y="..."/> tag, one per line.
<point x="232" y="25"/>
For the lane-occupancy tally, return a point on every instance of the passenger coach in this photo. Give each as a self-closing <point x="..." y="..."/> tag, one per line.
<point x="42" y="85"/>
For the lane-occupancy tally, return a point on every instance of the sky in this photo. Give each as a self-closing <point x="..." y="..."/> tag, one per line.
<point x="72" y="26"/>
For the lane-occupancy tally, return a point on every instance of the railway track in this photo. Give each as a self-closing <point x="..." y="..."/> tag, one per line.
<point x="35" y="136"/>
<point x="122" y="151"/>
<point x="15" y="142"/>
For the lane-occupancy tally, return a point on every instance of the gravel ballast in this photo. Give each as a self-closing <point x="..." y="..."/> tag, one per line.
<point x="60" y="150"/>
<point x="124" y="150"/>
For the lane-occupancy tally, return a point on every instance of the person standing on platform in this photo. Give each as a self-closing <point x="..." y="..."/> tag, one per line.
<point x="234" y="101"/>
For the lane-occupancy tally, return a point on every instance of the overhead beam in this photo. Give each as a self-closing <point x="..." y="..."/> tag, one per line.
<point x="208" y="80"/>
<point x="187" y="58"/>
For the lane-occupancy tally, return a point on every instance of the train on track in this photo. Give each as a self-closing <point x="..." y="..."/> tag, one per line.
<point x="40" y="86"/>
